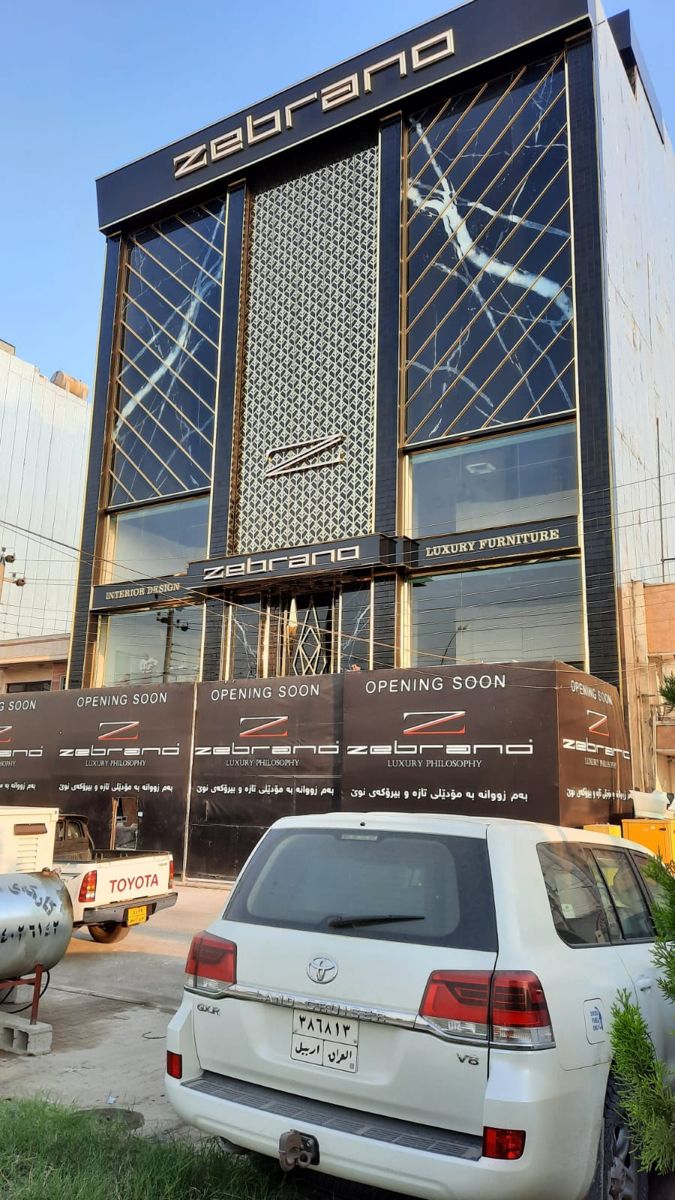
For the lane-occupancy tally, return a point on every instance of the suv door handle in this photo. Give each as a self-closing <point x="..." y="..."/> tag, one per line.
<point x="643" y="983"/>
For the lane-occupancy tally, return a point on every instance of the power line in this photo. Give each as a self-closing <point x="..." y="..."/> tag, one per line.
<point x="76" y="555"/>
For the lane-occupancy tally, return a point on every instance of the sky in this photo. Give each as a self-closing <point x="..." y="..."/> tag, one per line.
<point x="86" y="87"/>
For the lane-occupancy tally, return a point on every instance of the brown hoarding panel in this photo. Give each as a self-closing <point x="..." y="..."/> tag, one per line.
<point x="264" y="749"/>
<point x="477" y="740"/>
<point x="118" y="755"/>
<point x="595" y="764"/>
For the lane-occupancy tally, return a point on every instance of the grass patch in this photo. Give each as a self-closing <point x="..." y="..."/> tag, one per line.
<point x="48" y="1151"/>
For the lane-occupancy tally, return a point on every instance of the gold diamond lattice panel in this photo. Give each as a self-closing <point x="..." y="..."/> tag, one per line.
<point x="308" y="405"/>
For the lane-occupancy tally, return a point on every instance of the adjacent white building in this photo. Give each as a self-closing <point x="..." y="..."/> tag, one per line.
<point x="44" y="432"/>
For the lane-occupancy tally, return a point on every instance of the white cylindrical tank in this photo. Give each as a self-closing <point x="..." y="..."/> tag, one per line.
<point x="36" y="922"/>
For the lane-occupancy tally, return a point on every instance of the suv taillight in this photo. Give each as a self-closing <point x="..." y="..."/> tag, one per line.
<point x="507" y="1008"/>
<point x="88" y="888"/>
<point x="459" y="1002"/>
<point x="211" y="965"/>
<point x="519" y="1012"/>
<point x="170" y="872"/>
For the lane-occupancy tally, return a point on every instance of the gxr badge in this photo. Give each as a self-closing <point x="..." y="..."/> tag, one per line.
<point x="322" y="970"/>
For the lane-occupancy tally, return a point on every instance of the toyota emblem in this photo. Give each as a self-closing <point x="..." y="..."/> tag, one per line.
<point x="322" y="970"/>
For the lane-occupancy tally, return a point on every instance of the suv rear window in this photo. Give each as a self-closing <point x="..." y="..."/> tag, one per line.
<point x="342" y="880"/>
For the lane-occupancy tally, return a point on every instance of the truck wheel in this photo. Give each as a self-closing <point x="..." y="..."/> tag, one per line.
<point x="109" y="932"/>
<point x="617" y="1173"/>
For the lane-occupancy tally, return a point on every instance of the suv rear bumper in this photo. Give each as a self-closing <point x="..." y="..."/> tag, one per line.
<point x="300" y="1111"/>
<point x="559" y="1110"/>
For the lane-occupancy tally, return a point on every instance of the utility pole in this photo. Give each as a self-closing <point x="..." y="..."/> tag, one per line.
<point x="6" y="556"/>
<point x="168" y="647"/>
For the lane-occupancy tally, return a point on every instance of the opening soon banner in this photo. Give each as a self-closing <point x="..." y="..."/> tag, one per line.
<point x="203" y="770"/>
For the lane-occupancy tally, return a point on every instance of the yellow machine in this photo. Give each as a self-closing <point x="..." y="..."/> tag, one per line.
<point x="658" y="836"/>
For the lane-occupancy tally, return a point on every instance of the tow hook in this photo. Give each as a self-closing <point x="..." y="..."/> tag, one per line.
<point x="297" y="1150"/>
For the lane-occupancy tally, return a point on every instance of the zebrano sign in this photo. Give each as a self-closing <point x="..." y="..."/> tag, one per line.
<point x="263" y="749"/>
<point x="87" y="751"/>
<point x="539" y="741"/>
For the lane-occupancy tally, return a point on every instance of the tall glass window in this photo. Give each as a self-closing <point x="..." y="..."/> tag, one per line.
<point x="160" y="540"/>
<point x="243" y="630"/>
<point x="499" y="481"/>
<point x="304" y="634"/>
<point x="153" y="646"/>
<point x="489" y="326"/>
<point x="504" y="614"/>
<point x="163" y="416"/>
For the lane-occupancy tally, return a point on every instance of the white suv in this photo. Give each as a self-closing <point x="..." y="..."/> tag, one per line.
<point x="422" y="1003"/>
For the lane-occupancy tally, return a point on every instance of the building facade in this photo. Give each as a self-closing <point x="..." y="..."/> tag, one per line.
<point x="383" y="368"/>
<point x="649" y="641"/>
<point x="44" y="432"/>
<point x="36" y="664"/>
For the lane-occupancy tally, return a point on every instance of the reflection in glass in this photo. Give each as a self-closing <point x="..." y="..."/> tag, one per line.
<point x="306" y="634"/>
<point x="505" y="614"/>
<point x="355" y="628"/>
<point x="522" y="477"/>
<point x="244" y="634"/>
<point x="152" y="646"/>
<point x="160" y="540"/>
<point x="162" y="431"/>
<point x="489" y="303"/>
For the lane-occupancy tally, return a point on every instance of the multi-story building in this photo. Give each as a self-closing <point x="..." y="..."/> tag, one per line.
<point x="384" y="365"/>
<point x="44" y="431"/>
<point x="34" y="664"/>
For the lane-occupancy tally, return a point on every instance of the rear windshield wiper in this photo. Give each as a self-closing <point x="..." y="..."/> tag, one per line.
<point x="353" y="922"/>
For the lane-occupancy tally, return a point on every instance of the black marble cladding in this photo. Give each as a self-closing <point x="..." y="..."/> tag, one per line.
<point x="594" y="415"/>
<point x="226" y="397"/>
<point x="81" y="618"/>
<point x="489" y="319"/>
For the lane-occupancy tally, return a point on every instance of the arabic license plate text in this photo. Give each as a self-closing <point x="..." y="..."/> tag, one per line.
<point x="136" y="916"/>
<point x="325" y="1041"/>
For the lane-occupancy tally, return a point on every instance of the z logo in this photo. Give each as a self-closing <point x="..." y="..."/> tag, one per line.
<point x="4" y="731"/>
<point x="599" y="727"/>
<point x="112" y="731"/>
<point x="303" y="456"/>
<point x="276" y="725"/>
<point x="442" y="723"/>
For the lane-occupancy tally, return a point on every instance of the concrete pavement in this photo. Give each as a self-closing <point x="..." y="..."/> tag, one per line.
<point x="109" y="1007"/>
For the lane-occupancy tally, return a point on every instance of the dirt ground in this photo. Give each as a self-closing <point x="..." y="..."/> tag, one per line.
<point x="109" y="1007"/>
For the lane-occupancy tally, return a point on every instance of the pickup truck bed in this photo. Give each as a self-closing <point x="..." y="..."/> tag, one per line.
<point x="111" y="890"/>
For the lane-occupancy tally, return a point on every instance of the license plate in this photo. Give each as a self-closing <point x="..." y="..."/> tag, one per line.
<point x="324" y="1040"/>
<point x="136" y="916"/>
